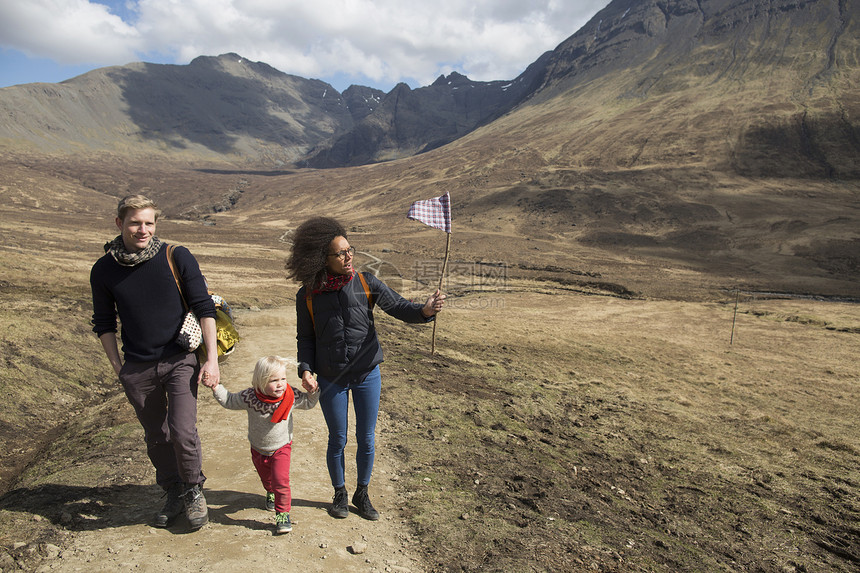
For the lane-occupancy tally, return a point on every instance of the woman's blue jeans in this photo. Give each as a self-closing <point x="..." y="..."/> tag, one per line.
<point x="334" y="401"/>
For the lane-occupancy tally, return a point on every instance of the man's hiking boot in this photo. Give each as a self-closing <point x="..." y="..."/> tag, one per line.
<point x="270" y="501"/>
<point x="172" y="507"/>
<point x="339" y="507"/>
<point x="282" y="523"/>
<point x="362" y="503"/>
<point x="195" y="506"/>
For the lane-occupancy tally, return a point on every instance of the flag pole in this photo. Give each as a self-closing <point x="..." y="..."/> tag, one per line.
<point x="441" y="282"/>
<point x="735" y="317"/>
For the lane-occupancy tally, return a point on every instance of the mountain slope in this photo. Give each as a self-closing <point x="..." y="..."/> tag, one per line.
<point x="757" y="86"/>
<point x="228" y="108"/>
<point x="215" y="108"/>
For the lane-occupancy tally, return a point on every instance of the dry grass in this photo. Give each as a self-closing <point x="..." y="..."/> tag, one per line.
<point x="568" y="431"/>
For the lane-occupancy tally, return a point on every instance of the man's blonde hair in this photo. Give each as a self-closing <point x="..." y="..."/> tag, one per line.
<point x="265" y="368"/>
<point x="134" y="202"/>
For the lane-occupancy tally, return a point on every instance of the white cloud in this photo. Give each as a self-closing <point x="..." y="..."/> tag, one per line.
<point x="387" y="41"/>
<point x="68" y="31"/>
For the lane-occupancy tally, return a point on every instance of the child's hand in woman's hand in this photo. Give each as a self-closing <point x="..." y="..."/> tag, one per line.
<point x="308" y="382"/>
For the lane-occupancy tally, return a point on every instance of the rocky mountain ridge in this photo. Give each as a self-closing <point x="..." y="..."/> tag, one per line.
<point x="214" y="108"/>
<point x="407" y="122"/>
<point x="755" y="86"/>
<point x="229" y="108"/>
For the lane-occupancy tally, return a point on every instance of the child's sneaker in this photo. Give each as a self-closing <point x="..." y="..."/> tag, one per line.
<point x="282" y="523"/>
<point x="270" y="501"/>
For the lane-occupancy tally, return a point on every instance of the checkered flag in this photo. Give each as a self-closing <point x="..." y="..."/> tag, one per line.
<point x="435" y="212"/>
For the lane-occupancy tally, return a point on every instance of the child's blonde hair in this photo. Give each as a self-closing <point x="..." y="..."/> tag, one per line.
<point x="265" y="368"/>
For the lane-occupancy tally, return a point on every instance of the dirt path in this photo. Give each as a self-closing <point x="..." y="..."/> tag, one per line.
<point x="239" y="535"/>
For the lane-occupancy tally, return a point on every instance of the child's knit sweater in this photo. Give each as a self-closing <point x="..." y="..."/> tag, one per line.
<point x="265" y="437"/>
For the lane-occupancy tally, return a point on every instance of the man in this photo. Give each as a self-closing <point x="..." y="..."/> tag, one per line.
<point x="160" y="378"/>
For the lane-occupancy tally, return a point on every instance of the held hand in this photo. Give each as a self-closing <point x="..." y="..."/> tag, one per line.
<point x="210" y="374"/>
<point x="308" y="382"/>
<point x="434" y="304"/>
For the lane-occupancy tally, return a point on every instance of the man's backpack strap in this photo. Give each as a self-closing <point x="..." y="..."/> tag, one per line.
<point x="309" y="298"/>
<point x="175" y="275"/>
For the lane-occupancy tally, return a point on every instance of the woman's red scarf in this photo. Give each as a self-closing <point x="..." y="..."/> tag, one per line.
<point x="286" y="402"/>
<point x="333" y="282"/>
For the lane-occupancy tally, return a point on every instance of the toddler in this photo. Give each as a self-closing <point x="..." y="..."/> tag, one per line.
<point x="270" y="403"/>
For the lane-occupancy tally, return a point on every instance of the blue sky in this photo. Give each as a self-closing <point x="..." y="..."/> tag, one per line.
<point x="377" y="43"/>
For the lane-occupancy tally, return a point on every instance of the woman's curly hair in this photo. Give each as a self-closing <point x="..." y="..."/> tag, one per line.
<point x="311" y="240"/>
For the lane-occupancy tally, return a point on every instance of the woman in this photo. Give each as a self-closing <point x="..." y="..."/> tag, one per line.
<point x="337" y="341"/>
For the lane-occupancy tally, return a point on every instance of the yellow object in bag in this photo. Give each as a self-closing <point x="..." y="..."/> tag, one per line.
<point x="225" y="333"/>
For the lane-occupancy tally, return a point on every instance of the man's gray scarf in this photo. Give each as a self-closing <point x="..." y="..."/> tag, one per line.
<point x="117" y="250"/>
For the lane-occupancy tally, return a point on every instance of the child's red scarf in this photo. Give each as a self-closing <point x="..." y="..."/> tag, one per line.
<point x="286" y="402"/>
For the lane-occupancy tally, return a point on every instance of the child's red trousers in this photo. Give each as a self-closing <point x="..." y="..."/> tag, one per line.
<point x="274" y="472"/>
